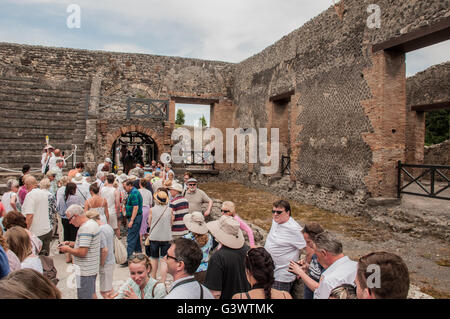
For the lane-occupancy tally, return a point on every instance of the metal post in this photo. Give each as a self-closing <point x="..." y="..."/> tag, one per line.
<point x="433" y="170"/>
<point x="399" y="178"/>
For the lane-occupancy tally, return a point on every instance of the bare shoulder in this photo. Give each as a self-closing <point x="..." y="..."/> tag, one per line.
<point x="239" y="295"/>
<point x="279" y="294"/>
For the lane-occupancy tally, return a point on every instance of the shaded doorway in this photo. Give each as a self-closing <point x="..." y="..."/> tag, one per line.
<point x="130" y="141"/>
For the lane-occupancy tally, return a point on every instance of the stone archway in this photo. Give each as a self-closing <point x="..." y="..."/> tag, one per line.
<point x="111" y="137"/>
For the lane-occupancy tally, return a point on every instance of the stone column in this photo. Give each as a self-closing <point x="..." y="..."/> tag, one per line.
<point x="387" y="113"/>
<point x="90" y="142"/>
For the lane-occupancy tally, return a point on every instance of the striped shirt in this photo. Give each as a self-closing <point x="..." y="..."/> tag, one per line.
<point x="88" y="235"/>
<point x="180" y="207"/>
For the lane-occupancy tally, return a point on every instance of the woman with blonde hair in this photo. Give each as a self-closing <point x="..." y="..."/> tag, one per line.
<point x="229" y="209"/>
<point x="19" y="242"/>
<point x="195" y="222"/>
<point x="141" y="285"/>
<point x="160" y="220"/>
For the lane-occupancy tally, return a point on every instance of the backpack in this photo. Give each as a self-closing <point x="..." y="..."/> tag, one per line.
<point x="49" y="269"/>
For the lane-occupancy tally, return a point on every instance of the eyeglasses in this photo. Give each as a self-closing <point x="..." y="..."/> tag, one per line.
<point x="70" y="219"/>
<point x="278" y="212"/>
<point x="174" y="258"/>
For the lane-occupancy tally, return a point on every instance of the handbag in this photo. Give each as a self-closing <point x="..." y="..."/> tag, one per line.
<point x="147" y="240"/>
<point x="120" y="252"/>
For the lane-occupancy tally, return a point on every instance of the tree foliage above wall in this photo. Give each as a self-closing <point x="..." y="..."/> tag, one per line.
<point x="437" y="124"/>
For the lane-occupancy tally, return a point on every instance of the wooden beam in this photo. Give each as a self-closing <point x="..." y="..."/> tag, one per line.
<point x="282" y="96"/>
<point x="417" y="39"/>
<point x="431" y="107"/>
<point x="194" y="100"/>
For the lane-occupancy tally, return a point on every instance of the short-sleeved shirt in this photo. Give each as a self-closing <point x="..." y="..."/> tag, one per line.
<point x="196" y="200"/>
<point x="315" y="270"/>
<point x="134" y="199"/>
<point x="205" y="250"/>
<point x="226" y="272"/>
<point x="149" y="293"/>
<point x="88" y="235"/>
<point x="189" y="290"/>
<point x="283" y="243"/>
<point x="342" y="271"/>
<point x="180" y="207"/>
<point x="147" y="197"/>
<point x="107" y="240"/>
<point x="36" y="204"/>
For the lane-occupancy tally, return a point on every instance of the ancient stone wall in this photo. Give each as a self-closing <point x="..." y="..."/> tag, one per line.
<point x="113" y="78"/>
<point x="438" y="154"/>
<point x="348" y="117"/>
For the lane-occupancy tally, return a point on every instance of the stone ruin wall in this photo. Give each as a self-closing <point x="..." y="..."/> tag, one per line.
<point x="347" y="117"/>
<point x="112" y="78"/>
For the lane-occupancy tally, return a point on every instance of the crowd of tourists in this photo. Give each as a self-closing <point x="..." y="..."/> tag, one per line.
<point x="167" y="233"/>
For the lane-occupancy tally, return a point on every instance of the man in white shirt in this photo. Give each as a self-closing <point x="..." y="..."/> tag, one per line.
<point x="339" y="269"/>
<point x="101" y="165"/>
<point x="35" y="208"/>
<point x="183" y="258"/>
<point x="57" y="156"/>
<point x="284" y="242"/>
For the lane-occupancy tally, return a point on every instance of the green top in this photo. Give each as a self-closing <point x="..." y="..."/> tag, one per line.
<point x="159" y="292"/>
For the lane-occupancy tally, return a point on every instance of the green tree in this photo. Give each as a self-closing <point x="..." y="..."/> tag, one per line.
<point x="180" y="117"/>
<point x="203" y="120"/>
<point x="437" y="124"/>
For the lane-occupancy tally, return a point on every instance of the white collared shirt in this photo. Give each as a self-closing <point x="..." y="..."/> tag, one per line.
<point x="283" y="243"/>
<point x="342" y="271"/>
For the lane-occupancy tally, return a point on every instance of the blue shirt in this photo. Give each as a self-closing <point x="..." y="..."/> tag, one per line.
<point x="4" y="263"/>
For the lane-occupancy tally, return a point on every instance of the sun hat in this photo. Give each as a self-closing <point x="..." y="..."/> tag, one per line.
<point x="161" y="197"/>
<point x="48" y="146"/>
<point x="195" y="222"/>
<point x="122" y="177"/>
<point x="191" y="180"/>
<point x="78" y="179"/>
<point x="227" y="231"/>
<point x="176" y="187"/>
<point x="108" y="160"/>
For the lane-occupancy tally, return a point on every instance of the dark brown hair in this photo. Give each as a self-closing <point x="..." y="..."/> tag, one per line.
<point x="394" y="275"/>
<point x="261" y="266"/>
<point x="284" y="204"/>
<point x="71" y="189"/>
<point x="94" y="188"/>
<point x="312" y="229"/>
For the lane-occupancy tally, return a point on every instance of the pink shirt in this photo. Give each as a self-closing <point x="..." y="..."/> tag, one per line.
<point x="247" y="229"/>
<point x="22" y="193"/>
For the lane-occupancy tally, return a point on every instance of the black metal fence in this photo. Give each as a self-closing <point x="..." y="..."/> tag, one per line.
<point x="434" y="171"/>
<point x="285" y="164"/>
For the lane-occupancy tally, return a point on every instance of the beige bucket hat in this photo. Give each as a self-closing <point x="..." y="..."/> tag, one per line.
<point x="78" y="179"/>
<point x="195" y="222"/>
<point x="227" y="231"/>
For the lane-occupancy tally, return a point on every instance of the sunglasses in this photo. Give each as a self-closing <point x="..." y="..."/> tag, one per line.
<point x="278" y="212"/>
<point x="192" y="184"/>
<point x="224" y="211"/>
<point x="138" y="256"/>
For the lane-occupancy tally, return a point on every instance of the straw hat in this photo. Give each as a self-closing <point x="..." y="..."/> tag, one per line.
<point x="176" y="187"/>
<point x="122" y="177"/>
<point x="161" y="197"/>
<point x="78" y="179"/>
<point x="227" y="231"/>
<point x="195" y="222"/>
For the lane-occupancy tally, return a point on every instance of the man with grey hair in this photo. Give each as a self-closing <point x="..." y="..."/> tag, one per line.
<point x="339" y="269"/>
<point x="101" y="178"/>
<point x="86" y="251"/>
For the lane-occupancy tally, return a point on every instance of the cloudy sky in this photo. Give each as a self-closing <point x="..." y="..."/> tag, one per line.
<point x="231" y="30"/>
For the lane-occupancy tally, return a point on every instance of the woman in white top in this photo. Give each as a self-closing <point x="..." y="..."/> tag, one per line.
<point x="146" y="204"/>
<point x="160" y="219"/>
<point x="9" y="199"/>
<point x="112" y="196"/>
<point x="19" y="242"/>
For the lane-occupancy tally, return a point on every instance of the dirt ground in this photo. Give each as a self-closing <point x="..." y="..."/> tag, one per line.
<point x="427" y="258"/>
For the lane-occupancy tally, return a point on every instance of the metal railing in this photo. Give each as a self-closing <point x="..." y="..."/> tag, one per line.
<point x="285" y="164"/>
<point x="433" y="170"/>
